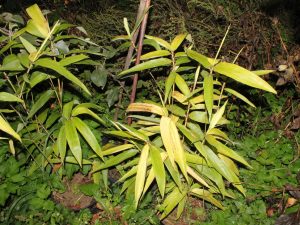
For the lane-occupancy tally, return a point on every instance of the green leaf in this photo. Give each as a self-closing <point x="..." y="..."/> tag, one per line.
<point x="176" y="110"/>
<point x="223" y="149"/>
<point x="171" y="201"/>
<point x="62" y="47"/>
<point x="174" y="173"/>
<point x="243" y="75"/>
<point x="197" y="177"/>
<point x="155" y="54"/>
<point x="207" y="196"/>
<point x="99" y="77"/>
<point x="37" y="77"/>
<point x="53" y="65"/>
<point x="112" y="96"/>
<point x="208" y="93"/>
<point x="73" y="140"/>
<point x="72" y="59"/>
<point x="217" y="117"/>
<point x="67" y="109"/>
<point x="160" y="41"/>
<point x="7" y="97"/>
<point x="126" y="26"/>
<point x="44" y="98"/>
<point x="181" y="207"/>
<point x="117" y="149"/>
<point x="222" y="168"/>
<point x="199" y="116"/>
<point x="116" y="160"/>
<point x="62" y="143"/>
<point x="203" y="60"/>
<point x="240" y="96"/>
<point x="177" y="41"/>
<point x="148" y="65"/>
<point x="169" y="84"/>
<point x="28" y="46"/>
<point x="158" y="168"/>
<point x="262" y="72"/>
<point x="84" y="110"/>
<point x="141" y="174"/>
<point x="182" y="85"/>
<point x="4" y="126"/>
<point x="88" y="135"/>
<point x="11" y="63"/>
<point x="139" y="135"/>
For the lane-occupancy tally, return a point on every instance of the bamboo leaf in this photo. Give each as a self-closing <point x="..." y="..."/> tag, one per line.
<point x="262" y="72"/>
<point x="11" y="63"/>
<point x="28" y="46"/>
<point x="81" y="109"/>
<point x="88" y="135"/>
<point x="147" y="65"/>
<point x="223" y="149"/>
<point x="197" y="177"/>
<point x="7" y="97"/>
<point x="72" y="59"/>
<point x="174" y="173"/>
<point x="240" y="96"/>
<point x="222" y="168"/>
<point x="158" y="168"/>
<point x="217" y="117"/>
<point x="173" y="144"/>
<point x="213" y="175"/>
<point x="169" y="84"/>
<point x="126" y="26"/>
<point x="147" y="107"/>
<point x="203" y="60"/>
<point x="160" y="41"/>
<point x="44" y="98"/>
<point x="171" y="201"/>
<point x="177" y="41"/>
<point x="243" y="75"/>
<point x="73" y="141"/>
<point x="199" y="116"/>
<point x="149" y="181"/>
<point x="208" y="93"/>
<point x="141" y="174"/>
<point x="53" y="65"/>
<point x="62" y="143"/>
<point x="132" y="131"/>
<point x="116" y="160"/>
<point x="38" y="24"/>
<point x="67" y="109"/>
<point x="218" y="134"/>
<point x="207" y="196"/>
<point x="155" y="54"/>
<point x="117" y="149"/>
<point x="4" y="126"/>
<point x="181" y="207"/>
<point x="182" y="85"/>
<point x="37" y="77"/>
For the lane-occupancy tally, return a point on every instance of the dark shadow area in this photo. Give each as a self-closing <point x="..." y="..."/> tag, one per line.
<point x="288" y="12"/>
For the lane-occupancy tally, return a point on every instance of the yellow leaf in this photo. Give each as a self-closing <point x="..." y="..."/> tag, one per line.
<point x="172" y="143"/>
<point x="177" y="41"/>
<point x="146" y="107"/>
<point x="243" y="75"/>
<point x="141" y="174"/>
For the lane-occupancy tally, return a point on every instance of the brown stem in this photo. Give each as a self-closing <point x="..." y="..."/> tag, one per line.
<point x="140" y="12"/>
<point x="139" y="53"/>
